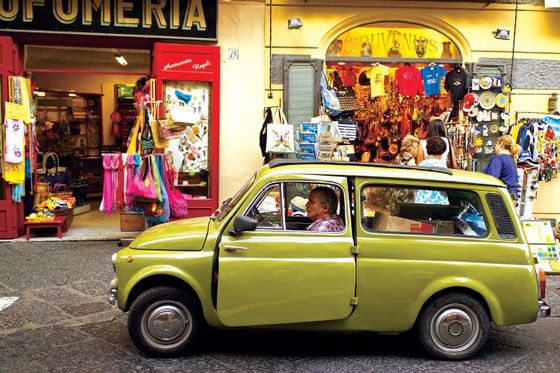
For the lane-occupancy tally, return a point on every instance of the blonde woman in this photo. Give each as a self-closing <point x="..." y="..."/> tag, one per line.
<point x="503" y="164"/>
<point x="409" y="150"/>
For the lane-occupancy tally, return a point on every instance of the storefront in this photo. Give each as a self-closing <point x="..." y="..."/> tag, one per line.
<point x="82" y="106"/>
<point x="392" y="66"/>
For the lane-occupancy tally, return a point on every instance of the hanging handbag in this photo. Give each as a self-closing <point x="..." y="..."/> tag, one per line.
<point x="347" y="99"/>
<point x="177" y="201"/>
<point x="280" y="135"/>
<point x="330" y="101"/>
<point x="162" y="210"/>
<point x="143" y="188"/>
<point x="180" y="115"/>
<point x="160" y="142"/>
<point x="146" y="137"/>
<point x="133" y="138"/>
<point x="264" y="130"/>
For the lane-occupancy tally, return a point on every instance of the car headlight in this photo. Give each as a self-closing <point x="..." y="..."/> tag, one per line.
<point x="114" y="261"/>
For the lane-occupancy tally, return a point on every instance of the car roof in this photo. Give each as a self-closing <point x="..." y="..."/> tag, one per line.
<point x="378" y="170"/>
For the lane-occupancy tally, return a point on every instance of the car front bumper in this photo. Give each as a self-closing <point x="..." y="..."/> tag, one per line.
<point x="112" y="293"/>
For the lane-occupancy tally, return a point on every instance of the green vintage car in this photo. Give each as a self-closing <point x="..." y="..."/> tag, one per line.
<point x="436" y="251"/>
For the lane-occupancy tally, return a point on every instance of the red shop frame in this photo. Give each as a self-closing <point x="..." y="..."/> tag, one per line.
<point x="183" y="62"/>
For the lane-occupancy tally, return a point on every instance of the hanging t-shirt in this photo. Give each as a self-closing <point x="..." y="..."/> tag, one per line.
<point x="377" y="80"/>
<point x="431" y="76"/>
<point x="456" y="83"/>
<point x="409" y="81"/>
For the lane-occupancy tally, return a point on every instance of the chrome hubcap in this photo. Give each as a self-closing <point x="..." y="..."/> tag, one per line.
<point x="454" y="328"/>
<point x="166" y="325"/>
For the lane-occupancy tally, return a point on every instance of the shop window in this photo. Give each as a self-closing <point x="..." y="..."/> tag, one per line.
<point x="189" y="150"/>
<point x="430" y="211"/>
<point x="301" y="89"/>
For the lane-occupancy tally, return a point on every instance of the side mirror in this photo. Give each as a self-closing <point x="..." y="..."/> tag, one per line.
<point x="242" y="224"/>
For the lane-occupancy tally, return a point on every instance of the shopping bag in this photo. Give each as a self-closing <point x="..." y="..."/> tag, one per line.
<point x="280" y="138"/>
<point x="180" y="115"/>
<point x="143" y="187"/>
<point x="133" y="139"/>
<point x="177" y="201"/>
<point x="328" y="94"/>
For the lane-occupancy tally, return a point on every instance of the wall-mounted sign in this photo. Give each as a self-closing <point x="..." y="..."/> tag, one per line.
<point x="185" y="19"/>
<point x="394" y="40"/>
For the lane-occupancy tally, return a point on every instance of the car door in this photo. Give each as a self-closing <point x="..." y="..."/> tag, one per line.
<point x="275" y="275"/>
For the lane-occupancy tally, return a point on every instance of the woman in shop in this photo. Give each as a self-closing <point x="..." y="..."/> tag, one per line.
<point x="503" y="165"/>
<point x="409" y="151"/>
<point x="436" y="128"/>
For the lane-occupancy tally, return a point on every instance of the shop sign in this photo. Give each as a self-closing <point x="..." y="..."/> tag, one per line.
<point x="190" y="19"/>
<point x="393" y="41"/>
<point x="179" y="62"/>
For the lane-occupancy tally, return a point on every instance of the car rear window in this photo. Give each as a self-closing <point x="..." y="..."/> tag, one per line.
<point x="429" y="211"/>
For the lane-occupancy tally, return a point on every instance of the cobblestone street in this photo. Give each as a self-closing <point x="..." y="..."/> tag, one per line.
<point x="61" y="322"/>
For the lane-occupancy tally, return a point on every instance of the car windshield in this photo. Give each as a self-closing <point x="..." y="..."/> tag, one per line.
<point x="230" y="203"/>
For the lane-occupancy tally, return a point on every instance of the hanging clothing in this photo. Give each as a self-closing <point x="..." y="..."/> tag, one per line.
<point x="456" y="85"/>
<point x="377" y="80"/>
<point x="431" y="77"/>
<point x="408" y="81"/>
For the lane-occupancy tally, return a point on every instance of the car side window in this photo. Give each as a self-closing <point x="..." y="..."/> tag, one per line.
<point x="268" y="209"/>
<point x="440" y="212"/>
<point x="283" y="206"/>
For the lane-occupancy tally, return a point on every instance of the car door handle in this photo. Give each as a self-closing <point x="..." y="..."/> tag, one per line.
<point x="231" y="249"/>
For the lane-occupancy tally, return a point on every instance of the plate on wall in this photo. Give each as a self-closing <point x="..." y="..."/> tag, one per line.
<point x="485" y="82"/>
<point x="487" y="100"/>
<point x="501" y="100"/>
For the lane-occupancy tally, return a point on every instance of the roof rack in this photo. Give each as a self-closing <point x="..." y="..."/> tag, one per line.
<point x="277" y="162"/>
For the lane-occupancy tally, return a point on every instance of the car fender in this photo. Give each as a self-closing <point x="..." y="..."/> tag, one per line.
<point x="446" y="283"/>
<point x="170" y="270"/>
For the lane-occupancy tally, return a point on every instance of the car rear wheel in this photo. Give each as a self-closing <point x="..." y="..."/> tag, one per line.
<point x="164" y="321"/>
<point x="454" y="326"/>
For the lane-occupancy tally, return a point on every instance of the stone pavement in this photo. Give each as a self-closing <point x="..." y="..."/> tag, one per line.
<point x="61" y="322"/>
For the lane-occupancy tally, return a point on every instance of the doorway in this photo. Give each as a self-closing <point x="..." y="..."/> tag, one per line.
<point x="85" y="108"/>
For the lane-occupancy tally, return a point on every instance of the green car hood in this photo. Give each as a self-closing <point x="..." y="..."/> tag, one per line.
<point x="186" y="234"/>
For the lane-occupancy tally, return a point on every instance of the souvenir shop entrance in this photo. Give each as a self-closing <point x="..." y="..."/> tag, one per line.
<point x="93" y="124"/>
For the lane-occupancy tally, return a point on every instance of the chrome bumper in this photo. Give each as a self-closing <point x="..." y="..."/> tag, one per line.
<point x="112" y="293"/>
<point x="544" y="309"/>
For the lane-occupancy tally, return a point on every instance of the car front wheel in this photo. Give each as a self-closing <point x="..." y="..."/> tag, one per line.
<point x="163" y="321"/>
<point x="454" y="326"/>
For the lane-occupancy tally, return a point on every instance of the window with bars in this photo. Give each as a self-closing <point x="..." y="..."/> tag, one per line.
<point x="301" y="89"/>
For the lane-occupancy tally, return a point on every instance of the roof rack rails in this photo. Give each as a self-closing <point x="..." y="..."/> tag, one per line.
<point x="277" y="162"/>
